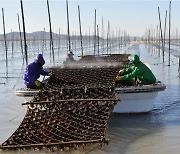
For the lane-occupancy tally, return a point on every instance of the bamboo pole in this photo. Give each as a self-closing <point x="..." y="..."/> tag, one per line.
<point x="159" y="37"/>
<point x="98" y="38"/>
<point x="69" y="100"/>
<point x="42" y="43"/>
<point x="24" y="32"/>
<point x="165" y="30"/>
<point x="50" y="144"/>
<point x="45" y="39"/>
<point x="179" y="64"/>
<point x="75" y="46"/>
<point x="89" y="39"/>
<point x="69" y="41"/>
<point x="12" y="42"/>
<point x="57" y="38"/>
<point x="95" y="33"/>
<point x="176" y="36"/>
<point x="119" y="35"/>
<point x="102" y="35"/>
<point x="80" y="31"/>
<point x="59" y="41"/>
<point x="169" y="32"/>
<point x="50" y="29"/>
<point x="5" y="42"/>
<point x="108" y="37"/>
<point x="109" y="42"/>
<point x="122" y="40"/>
<point x="161" y="33"/>
<point x="20" y="36"/>
<point x="157" y="34"/>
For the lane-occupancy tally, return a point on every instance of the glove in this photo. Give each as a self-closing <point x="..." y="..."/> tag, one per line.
<point x="50" y="74"/>
<point x="37" y="83"/>
<point x="121" y="72"/>
<point x="118" y="78"/>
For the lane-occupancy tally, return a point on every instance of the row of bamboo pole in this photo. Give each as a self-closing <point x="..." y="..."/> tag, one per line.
<point x="96" y="40"/>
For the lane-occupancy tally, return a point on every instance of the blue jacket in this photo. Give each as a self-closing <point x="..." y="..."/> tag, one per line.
<point x="33" y="72"/>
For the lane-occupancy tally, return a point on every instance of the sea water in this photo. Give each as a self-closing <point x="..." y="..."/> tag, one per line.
<point x="155" y="132"/>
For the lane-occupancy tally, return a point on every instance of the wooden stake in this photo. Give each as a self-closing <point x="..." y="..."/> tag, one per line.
<point x="24" y="32"/>
<point x="50" y="29"/>
<point x="20" y="36"/>
<point x="98" y="38"/>
<point x="169" y="31"/>
<point x="5" y="42"/>
<point x="69" y="41"/>
<point x="69" y="100"/>
<point x="102" y="35"/>
<point x="12" y="41"/>
<point x="165" y="30"/>
<point x="161" y="33"/>
<point x="95" y="33"/>
<point x="108" y="37"/>
<point x="80" y="31"/>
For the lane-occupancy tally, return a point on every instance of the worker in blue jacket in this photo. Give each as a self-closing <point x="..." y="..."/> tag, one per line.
<point x="33" y="72"/>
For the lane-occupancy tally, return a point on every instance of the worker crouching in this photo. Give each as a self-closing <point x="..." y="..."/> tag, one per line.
<point x="139" y="71"/>
<point x="33" y="72"/>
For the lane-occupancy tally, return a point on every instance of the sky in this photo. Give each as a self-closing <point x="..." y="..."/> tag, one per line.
<point x="133" y="16"/>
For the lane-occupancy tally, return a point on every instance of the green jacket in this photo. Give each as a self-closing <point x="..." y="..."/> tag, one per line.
<point x="141" y="71"/>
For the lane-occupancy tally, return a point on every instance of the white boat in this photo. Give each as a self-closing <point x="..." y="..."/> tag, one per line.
<point x="137" y="99"/>
<point x="27" y="93"/>
<point x="132" y="99"/>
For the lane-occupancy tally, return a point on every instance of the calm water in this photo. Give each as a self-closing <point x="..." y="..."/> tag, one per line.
<point x="155" y="132"/>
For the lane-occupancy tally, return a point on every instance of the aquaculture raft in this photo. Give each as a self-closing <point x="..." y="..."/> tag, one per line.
<point x="102" y="61"/>
<point x="71" y="110"/>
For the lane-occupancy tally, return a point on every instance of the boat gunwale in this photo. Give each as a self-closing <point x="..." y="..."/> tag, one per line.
<point x="141" y="89"/>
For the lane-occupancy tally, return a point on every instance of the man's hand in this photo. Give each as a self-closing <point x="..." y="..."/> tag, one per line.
<point x="118" y="78"/>
<point x="50" y="74"/>
<point x="38" y="83"/>
<point x="121" y="72"/>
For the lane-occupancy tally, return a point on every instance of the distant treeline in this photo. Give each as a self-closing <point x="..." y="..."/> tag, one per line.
<point x="40" y="35"/>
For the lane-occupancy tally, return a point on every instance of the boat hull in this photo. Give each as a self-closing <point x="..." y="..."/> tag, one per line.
<point x="28" y="94"/>
<point x="137" y="99"/>
<point x="134" y="99"/>
<point x="135" y="102"/>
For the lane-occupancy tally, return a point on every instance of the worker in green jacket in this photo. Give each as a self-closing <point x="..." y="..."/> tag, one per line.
<point x="139" y="70"/>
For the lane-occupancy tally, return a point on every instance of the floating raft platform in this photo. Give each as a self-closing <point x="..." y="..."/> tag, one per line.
<point x="72" y="109"/>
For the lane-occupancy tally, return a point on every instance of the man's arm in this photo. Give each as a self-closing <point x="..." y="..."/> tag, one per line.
<point x="43" y="72"/>
<point x="129" y="70"/>
<point x="131" y="75"/>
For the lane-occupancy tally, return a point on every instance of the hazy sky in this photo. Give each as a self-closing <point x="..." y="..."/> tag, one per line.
<point x="133" y="16"/>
